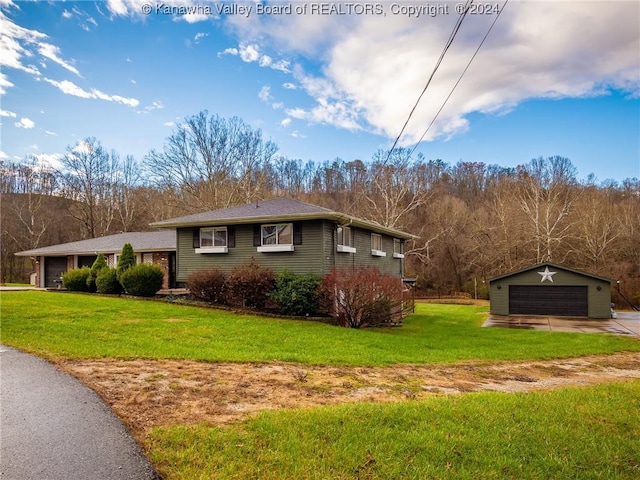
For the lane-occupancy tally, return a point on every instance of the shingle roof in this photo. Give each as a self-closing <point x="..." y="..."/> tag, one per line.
<point x="552" y="265"/>
<point x="140" y="241"/>
<point x="274" y="210"/>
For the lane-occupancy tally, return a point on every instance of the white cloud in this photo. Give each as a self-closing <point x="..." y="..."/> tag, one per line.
<point x="250" y="52"/>
<point x="49" y="132"/>
<point x="374" y="67"/>
<point x="297" y="113"/>
<point x="67" y="14"/>
<point x="289" y="86"/>
<point x="4" y="83"/>
<point x="70" y="88"/>
<point x="285" y="123"/>
<point x="169" y="124"/>
<point x="52" y="53"/>
<point x="155" y="105"/>
<point x="7" y="113"/>
<point x="265" y="94"/>
<point x="49" y="160"/>
<point x="297" y="134"/>
<point x="200" y="36"/>
<point x="190" y="11"/>
<point x="25" y="123"/>
<point x="3" y="156"/>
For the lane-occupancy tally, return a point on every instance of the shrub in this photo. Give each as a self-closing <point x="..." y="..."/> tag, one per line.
<point x="296" y="294"/>
<point x="250" y="285"/>
<point x="126" y="260"/>
<point x="142" y="280"/>
<point x="107" y="282"/>
<point x="76" y="280"/>
<point x="98" y="265"/>
<point x="362" y="296"/>
<point x="208" y="285"/>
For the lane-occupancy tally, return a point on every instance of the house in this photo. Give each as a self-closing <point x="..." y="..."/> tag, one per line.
<point x="550" y="289"/>
<point x="283" y="233"/>
<point x="150" y="247"/>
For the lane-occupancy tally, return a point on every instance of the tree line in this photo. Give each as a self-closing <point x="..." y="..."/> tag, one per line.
<point x="474" y="220"/>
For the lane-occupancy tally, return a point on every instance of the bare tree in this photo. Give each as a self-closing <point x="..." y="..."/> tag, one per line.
<point x="546" y="194"/>
<point x="392" y="194"/>
<point x="89" y="174"/>
<point x="215" y="162"/>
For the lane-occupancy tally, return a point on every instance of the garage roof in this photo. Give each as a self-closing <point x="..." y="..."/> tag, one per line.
<point x="552" y="265"/>
<point x="160" y="241"/>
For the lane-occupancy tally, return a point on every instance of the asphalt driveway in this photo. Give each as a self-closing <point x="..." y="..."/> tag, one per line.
<point x="53" y="427"/>
<point x="627" y="323"/>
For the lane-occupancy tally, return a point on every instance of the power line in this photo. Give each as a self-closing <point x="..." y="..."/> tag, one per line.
<point x="460" y="78"/>
<point x="444" y="51"/>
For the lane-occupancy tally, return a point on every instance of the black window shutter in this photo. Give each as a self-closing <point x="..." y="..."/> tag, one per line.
<point x="196" y="238"/>
<point x="231" y="237"/>
<point x="297" y="233"/>
<point x="257" y="238"/>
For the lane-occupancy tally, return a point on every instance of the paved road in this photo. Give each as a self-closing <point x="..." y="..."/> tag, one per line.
<point x="53" y="427"/>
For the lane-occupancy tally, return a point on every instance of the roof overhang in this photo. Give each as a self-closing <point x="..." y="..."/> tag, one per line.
<point x="339" y="218"/>
<point x="552" y="265"/>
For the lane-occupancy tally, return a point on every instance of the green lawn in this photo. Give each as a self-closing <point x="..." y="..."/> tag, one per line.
<point x="574" y="433"/>
<point x="67" y="325"/>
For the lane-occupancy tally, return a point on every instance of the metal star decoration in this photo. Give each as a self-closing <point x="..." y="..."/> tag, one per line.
<point x="547" y="275"/>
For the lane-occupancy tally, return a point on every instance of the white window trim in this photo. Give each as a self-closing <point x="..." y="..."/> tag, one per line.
<point x="275" y="248"/>
<point x="212" y="250"/>
<point x="346" y="248"/>
<point x="374" y="251"/>
<point x="397" y="241"/>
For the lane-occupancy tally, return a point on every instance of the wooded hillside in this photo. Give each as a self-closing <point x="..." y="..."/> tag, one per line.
<point x="475" y="220"/>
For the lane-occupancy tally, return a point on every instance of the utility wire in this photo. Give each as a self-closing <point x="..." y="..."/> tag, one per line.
<point x="444" y="51"/>
<point x="460" y="78"/>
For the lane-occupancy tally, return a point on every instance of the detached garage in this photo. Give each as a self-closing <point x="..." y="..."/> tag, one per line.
<point x="549" y="289"/>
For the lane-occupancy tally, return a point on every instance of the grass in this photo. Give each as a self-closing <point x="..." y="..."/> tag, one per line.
<point x="65" y="325"/>
<point x="574" y="433"/>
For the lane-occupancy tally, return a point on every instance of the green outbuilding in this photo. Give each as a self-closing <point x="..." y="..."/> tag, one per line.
<point x="550" y="289"/>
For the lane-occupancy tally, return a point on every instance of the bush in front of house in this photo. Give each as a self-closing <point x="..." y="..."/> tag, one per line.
<point x="142" y="280"/>
<point x="296" y="295"/>
<point x="76" y="280"/>
<point x="107" y="282"/>
<point x="126" y="260"/>
<point x="208" y="285"/>
<point x="361" y="296"/>
<point x="250" y="285"/>
<point x="98" y="265"/>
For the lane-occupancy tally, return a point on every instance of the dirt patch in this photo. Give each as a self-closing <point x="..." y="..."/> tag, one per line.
<point x="150" y="393"/>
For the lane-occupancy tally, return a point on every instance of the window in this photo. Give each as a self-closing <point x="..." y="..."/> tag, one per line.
<point x="345" y="240"/>
<point x="376" y="246"/>
<point x="213" y="240"/>
<point x="276" y="238"/>
<point x="398" y="251"/>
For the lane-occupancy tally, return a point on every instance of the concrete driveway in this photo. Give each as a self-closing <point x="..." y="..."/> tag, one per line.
<point x="53" y="427"/>
<point x="627" y="323"/>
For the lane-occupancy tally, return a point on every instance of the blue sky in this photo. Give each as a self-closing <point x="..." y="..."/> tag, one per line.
<point x="552" y="78"/>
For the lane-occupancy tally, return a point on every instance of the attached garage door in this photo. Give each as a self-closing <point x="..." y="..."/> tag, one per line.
<point x="54" y="267"/>
<point x="567" y="301"/>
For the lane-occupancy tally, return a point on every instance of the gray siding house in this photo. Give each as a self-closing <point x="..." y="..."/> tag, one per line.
<point x="150" y="247"/>
<point x="550" y="289"/>
<point x="283" y="233"/>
